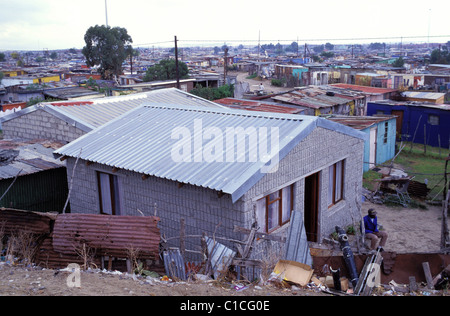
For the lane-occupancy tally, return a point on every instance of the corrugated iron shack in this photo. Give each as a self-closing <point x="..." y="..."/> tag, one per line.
<point x="30" y="177"/>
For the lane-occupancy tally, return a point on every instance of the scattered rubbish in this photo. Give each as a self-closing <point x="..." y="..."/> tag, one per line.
<point x="442" y="280"/>
<point x="220" y="255"/>
<point x="292" y="271"/>
<point x="240" y="287"/>
<point x="174" y="264"/>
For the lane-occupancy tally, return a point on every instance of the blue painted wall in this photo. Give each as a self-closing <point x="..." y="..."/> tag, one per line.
<point x="415" y="117"/>
<point x="384" y="150"/>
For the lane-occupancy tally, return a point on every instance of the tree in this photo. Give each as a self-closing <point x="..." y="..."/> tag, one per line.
<point x="2" y="57"/>
<point x="166" y="70"/>
<point x="376" y="46"/>
<point x="399" y="62"/>
<point x="440" y="56"/>
<point x="318" y="49"/>
<point x="15" y="55"/>
<point x="293" y="47"/>
<point x="327" y="54"/>
<point x="225" y="91"/>
<point x="329" y="46"/>
<point x="108" y="48"/>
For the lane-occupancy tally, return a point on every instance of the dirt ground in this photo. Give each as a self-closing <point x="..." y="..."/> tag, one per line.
<point x="20" y="281"/>
<point x="409" y="229"/>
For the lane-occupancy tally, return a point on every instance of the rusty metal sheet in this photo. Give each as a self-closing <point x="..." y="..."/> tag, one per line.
<point x="47" y="257"/>
<point x="109" y="235"/>
<point x="12" y="221"/>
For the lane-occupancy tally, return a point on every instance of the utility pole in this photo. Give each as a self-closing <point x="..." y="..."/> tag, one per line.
<point x="176" y="63"/>
<point x="106" y="12"/>
<point x="225" y="66"/>
<point x="259" y="44"/>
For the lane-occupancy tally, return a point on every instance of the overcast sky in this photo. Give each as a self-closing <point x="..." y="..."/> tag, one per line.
<point x="61" y="24"/>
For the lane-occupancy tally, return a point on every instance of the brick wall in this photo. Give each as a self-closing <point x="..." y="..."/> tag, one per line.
<point x="40" y="125"/>
<point x="203" y="211"/>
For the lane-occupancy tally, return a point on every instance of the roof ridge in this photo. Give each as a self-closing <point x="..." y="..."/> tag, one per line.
<point x="228" y="111"/>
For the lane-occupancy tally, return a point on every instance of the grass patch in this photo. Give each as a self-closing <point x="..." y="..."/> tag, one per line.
<point x="368" y="180"/>
<point x="425" y="167"/>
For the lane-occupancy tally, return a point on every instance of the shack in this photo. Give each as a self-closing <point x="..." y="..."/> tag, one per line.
<point x="417" y="122"/>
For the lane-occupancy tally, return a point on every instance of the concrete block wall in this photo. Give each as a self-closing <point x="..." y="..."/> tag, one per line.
<point x="201" y="208"/>
<point x="40" y="125"/>
<point x="319" y="150"/>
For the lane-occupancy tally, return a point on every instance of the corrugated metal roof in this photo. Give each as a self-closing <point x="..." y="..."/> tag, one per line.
<point x="141" y="141"/>
<point x="423" y="95"/>
<point x="106" y="109"/>
<point x="358" y="122"/>
<point x="90" y="114"/>
<point x="26" y="158"/>
<point x="254" y="105"/>
<point x="315" y="98"/>
<point x="364" y="89"/>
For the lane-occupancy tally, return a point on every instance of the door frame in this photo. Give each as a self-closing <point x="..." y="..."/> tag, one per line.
<point x="311" y="206"/>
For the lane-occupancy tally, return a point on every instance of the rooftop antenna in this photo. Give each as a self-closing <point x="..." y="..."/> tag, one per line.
<point x="106" y="12"/>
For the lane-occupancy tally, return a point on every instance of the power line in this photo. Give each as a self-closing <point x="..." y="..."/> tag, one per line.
<point x="319" y="39"/>
<point x="401" y="38"/>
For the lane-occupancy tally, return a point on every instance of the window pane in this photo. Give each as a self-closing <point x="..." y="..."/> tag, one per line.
<point x="261" y="214"/>
<point x="287" y="203"/>
<point x="274" y="196"/>
<point x="105" y="191"/>
<point x="330" y="184"/>
<point x="272" y="215"/>
<point x="338" y="191"/>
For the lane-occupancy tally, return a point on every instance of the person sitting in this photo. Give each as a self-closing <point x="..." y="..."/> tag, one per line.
<point x="372" y="232"/>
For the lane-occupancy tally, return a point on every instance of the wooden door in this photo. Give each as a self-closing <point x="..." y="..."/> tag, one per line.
<point x="312" y="207"/>
<point x="399" y="121"/>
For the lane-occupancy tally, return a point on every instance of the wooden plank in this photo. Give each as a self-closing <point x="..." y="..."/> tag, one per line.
<point x="248" y="246"/>
<point x="413" y="284"/>
<point x="259" y="235"/>
<point x="182" y="237"/>
<point x="363" y="275"/>
<point x="428" y="277"/>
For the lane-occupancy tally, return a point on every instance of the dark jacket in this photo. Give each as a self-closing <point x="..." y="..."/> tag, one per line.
<point x="369" y="226"/>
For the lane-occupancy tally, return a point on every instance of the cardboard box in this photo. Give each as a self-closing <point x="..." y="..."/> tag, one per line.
<point x="293" y="271"/>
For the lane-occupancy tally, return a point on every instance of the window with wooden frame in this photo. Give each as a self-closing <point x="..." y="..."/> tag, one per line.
<point x="336" y="183"/>
<point x="274" y="210"/>
<point x="108" y="193"/>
